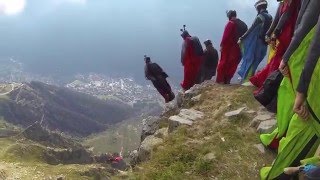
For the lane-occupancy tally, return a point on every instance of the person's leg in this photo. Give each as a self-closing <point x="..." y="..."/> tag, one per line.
<point x="222" y="68"/>
<point x="300" y="143"/>
<point x="233" y="62"/>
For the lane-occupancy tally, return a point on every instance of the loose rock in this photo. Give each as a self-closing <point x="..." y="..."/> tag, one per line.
<point x="261" y="148"/>
<point x="267" y="126"/>
<point x="234" y="113"/>
<point x="209" y="157"/>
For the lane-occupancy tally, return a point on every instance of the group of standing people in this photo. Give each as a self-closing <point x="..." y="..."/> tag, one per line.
<point x="293" y="37"/>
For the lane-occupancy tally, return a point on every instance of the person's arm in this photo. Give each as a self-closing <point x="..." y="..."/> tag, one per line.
<point x="303" y="7"/>
<point x="216" y="56"/>
<point x="274" y="22"/>
<point x="308" y="21"/>
<point x="282" y="21"/>
<point x="227" y="34"/>
<point x="146" y="73"/>
<point x="158" y="67"/>
<point x="256" y="22"/>
<point x="311" y="62"/>
<point x="183" y="52"/>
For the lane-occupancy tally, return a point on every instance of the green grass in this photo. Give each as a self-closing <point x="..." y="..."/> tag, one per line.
<point x="24" y="160"/>
<point x="126" y="135"/>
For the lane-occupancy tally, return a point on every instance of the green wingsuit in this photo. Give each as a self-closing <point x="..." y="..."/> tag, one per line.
<point x="302" y="137"/>
<point x="286" y="92"/>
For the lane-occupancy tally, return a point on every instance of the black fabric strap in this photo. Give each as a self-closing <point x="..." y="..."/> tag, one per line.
<point x="312" y="113"/>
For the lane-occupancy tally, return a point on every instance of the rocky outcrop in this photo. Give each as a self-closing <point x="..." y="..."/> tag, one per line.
<point x="152" y="135"/>
<point x="264" y="122"/>
<point x="185" y="117"/>
<point x="147" y="146"/>
<point x="149" y="126"/>
<point x="267" y="126"/>
<point x="43" y="136"/>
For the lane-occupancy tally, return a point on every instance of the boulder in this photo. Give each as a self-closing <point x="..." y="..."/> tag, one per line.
<point x="193" y="91"/>
<point x="260" y="118"/>
<point x="234" y="113"/>
<point x="161" y="133"/>
<point x="147" y="146"/>
<point x="267" y="126"/>
<point x="133" y="158"/>
<point x="196" y="98"/>
<point x="185" y="117"/>
<point x="250" y="112"/>
<point x="209" y="157"/>
<point x="176" y="121"/>
<point x="261" y="148"/>
<point x="179" y="99"/>
<point x="149" y="127"/>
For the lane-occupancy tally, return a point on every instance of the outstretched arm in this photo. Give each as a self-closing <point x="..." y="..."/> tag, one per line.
<point x="256" y="22"/>
<point x="183" y="52"/>
<point x="311" y="62"/>
<point x="306" y="75"/>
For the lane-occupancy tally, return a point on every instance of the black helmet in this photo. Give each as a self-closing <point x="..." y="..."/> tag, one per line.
<point x="208" y="42"/>
<point x="231" y="14"/>
<point x="147" y="59"/>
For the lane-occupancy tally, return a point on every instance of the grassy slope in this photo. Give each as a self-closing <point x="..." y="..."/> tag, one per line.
<point x="126" y="134"/>
<point x="24" y="160"/>
<point x="181" y="156"/>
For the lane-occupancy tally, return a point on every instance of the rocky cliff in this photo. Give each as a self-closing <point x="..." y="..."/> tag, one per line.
<point x="210" y="132"/>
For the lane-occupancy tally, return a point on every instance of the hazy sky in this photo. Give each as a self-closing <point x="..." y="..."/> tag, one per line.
<point x="109" y="36"/>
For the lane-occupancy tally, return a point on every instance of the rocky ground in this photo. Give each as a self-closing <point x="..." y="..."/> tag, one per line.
<point x="210" y="132"/>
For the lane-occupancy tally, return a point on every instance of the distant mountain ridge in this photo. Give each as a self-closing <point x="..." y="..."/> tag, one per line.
<point x="61" y="109"/>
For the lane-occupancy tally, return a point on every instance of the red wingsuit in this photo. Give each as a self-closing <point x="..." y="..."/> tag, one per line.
<point x="230" y="54"/>
<point x="191" y="62"/>
<point x="284" y="40"/>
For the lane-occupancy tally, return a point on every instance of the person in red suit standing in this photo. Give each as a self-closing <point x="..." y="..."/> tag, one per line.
<point x="191" y="59"/>
<point x="230" y="50"/>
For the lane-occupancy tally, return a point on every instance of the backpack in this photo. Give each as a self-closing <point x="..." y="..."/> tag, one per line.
<point x="267" y="94"/>
<point x="241" y="27"/>
<point x="197" y="45"/>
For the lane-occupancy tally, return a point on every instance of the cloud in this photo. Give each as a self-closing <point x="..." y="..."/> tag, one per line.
<point x="12" y="7"/>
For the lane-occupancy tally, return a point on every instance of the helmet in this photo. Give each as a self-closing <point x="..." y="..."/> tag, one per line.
<point x="147" y="59"/>
<point x="185" y="34"/>
<point x="208" y="42"/>
<point x="231" y="13"/>
<point x="260" y="3"/>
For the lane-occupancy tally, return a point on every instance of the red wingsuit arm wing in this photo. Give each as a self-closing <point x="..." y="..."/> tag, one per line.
<point x="227" y="35"/>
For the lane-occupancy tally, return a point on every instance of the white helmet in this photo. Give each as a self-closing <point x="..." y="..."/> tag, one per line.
<point x="260" y="2"/>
